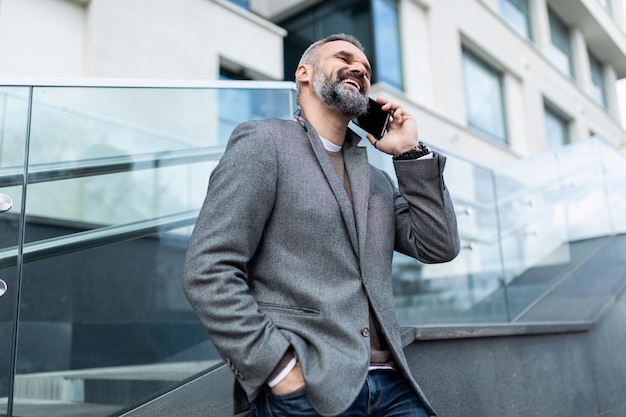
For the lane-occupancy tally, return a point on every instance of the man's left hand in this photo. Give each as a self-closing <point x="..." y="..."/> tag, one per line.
<point x="401" y="131"/>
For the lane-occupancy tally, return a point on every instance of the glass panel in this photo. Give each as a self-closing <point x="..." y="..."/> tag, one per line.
<point x="557" y="130"/>
<point x="515" y="12"/>
<point x="470" y="288"/>
<point x="484" y="97"/>
<point x="14" y="102"/>
<point x="561" y="48"/>
<point x="128" y="128"/>
<point x="585" y="192"/>
<point x="117" y="176"/>
<point x="534" y="231"/>
<point x="523" y="227"/>
<point x="614" y="164"/>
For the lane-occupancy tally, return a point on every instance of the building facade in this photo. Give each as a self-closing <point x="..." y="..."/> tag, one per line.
<point x="114" y="112"/>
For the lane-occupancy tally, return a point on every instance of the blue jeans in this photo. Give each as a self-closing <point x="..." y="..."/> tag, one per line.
<point x="385" y="394"/>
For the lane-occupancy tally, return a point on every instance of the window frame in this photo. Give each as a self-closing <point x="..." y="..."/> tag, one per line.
<point x="551" y="112"/>
<point x="479" y="62"/>
<point x="598" y="82"/>
<point x="524" y="11"/>
<point x="561" y="43"/>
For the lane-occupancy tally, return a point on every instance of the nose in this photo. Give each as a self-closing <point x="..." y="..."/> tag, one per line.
<point x="359" y="68"/>
<point x="364" y="72"/>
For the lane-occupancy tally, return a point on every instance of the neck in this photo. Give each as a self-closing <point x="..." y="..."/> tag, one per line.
<point x="330" y="124"/>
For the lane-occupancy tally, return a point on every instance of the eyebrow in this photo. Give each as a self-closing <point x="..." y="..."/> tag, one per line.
<point x="350" y="55"/>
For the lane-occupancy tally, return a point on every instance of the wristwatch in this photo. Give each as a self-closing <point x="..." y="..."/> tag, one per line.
<point x="420" y="150"/>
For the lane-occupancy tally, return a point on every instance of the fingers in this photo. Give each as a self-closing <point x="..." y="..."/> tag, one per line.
<point x="398" y="114"/>
<point x="372" y="139"/>
<point x="401" y="130"/>
<point x="375" y="142"/>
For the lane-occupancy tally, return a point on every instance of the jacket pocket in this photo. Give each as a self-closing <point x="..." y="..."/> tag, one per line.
<point x="295" y="310"/>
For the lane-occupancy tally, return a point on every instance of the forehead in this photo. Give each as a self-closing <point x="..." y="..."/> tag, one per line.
<point x="335" y="47"/>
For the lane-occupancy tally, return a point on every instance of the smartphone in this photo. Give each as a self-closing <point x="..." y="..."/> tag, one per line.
<point x="375" y="120"/>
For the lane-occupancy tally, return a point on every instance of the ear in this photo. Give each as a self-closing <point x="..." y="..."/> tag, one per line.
<point x="303" y="73"/>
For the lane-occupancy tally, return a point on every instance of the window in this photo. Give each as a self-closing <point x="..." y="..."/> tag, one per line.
<point x="516" y="13"/>
<point x="561" y="48"/>
<point x="597" y="80"/>
<point x="484" y="97"/>
<point x="373" y="22"/>
<point x="241" y="3"/>
<point x="387" y="42"/>
<point x="557" y="129"/>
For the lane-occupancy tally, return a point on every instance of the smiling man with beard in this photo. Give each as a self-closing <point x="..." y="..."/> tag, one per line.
<point x="289" y="265"/>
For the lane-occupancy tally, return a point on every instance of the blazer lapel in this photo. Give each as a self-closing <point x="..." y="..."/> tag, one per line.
<point x="335" y="185"/>
<point x="357" y="167"/>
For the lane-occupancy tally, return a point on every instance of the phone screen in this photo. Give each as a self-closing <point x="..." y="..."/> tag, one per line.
<point x="375" y="120"/>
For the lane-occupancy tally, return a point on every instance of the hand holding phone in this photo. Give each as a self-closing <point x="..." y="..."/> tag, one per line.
<point x="375" y="120"/>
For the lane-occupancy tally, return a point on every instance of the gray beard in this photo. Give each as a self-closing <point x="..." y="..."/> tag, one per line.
<point x="335" y="96"/>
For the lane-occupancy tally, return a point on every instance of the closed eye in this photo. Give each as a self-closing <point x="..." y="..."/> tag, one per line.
<point x="348" y="58"/>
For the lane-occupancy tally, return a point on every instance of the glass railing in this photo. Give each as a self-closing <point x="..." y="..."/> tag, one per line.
<point x="106" y="183"/>
<point x="523" y="227"/>
<point x="94" y="317"/>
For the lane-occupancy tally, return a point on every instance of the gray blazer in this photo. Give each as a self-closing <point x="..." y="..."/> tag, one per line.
<point x="280" y="257"/>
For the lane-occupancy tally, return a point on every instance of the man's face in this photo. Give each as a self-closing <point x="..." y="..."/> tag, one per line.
<point x="341" y="78"/>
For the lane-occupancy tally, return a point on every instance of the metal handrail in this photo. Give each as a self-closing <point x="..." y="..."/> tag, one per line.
<point x="88" y="239"/>
<point x="55" y="171"/>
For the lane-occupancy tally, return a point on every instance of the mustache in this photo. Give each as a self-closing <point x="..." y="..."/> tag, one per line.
<point x="351" y="74"/>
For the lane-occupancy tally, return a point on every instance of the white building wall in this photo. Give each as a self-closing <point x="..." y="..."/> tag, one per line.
<point x="42" y="38"/>
<point x="185" y="39"/>
<point x="417" y="52"/>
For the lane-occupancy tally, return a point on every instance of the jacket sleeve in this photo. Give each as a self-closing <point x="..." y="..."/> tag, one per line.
<point x="230" y="225"/>
<point x="426" y="226"/>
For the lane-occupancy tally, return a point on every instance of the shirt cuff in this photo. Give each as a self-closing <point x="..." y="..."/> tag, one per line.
<point x="282" y="374"/>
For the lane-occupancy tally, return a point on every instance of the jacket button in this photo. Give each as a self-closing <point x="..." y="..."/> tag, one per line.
<point x="365" y="332"/>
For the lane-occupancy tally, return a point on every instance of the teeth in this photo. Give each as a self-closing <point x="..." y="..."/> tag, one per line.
<point x="354" y="83"/>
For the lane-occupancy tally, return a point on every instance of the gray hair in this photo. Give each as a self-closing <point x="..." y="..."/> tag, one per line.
<point x="310" y="55"/>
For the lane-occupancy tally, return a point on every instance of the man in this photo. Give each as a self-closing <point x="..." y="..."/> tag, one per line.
<point x="289" y="265"/>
